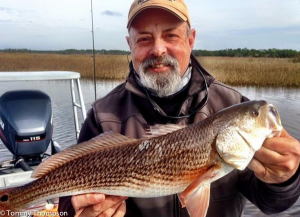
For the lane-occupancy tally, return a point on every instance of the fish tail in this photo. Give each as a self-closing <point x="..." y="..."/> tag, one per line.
<point x="6" y="203"/>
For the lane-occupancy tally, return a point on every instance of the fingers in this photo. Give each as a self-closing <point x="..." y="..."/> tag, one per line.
<point x="121" y="210"/>
<point x="278" y="150"/>
<point x="269" y="174"/>
<point x="283" y="145"/>
<point x="256" y="166"/>
<point x="84" y="200"/>
<point x="86" y="205"/>
<point x="268" y="156"/>
<point x="259" y="170"/>
<point x="277" y="160"/>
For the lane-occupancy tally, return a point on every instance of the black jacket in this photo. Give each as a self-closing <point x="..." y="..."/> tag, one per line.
<point x="127" y="110"/>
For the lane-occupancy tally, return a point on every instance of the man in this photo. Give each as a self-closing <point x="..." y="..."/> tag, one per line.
<point x="166" y="84"/>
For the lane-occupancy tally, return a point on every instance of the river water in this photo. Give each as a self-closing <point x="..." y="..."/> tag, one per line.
<point x="287" y="101"/>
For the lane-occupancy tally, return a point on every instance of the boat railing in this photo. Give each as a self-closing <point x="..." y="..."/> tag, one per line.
<point x="73" y="77"/>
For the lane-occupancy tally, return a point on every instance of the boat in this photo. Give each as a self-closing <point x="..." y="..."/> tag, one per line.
<point x="26" y="125"/>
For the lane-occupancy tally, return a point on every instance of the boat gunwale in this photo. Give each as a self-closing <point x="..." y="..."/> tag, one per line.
<point x="38" y="75"/>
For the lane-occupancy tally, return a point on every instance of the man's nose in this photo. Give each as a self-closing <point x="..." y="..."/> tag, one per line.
<point x="159" y="48"/>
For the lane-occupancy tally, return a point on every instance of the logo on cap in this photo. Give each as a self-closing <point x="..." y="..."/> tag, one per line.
<point x="143" y="1"/>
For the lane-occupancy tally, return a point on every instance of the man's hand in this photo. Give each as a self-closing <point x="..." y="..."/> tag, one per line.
<point x="98" y="205"/>
<point x="277" y="160"/>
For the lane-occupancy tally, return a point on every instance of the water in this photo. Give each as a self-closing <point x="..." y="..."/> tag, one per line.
<point x="287" y="101"/>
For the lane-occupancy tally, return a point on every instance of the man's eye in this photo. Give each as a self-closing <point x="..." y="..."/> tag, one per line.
<point x="171" y="36"/>
<point x="143" y="39"/>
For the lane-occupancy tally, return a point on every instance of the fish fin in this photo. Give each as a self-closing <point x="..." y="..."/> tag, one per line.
<point x="100" y="142"/>
<point x="161" y="129"/>
<point x="196" y="196"/>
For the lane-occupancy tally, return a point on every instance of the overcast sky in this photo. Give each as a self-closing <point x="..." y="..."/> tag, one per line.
<point x="66" y="24"/>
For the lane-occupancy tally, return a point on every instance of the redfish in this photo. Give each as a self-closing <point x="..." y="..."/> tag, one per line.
<point x="171" y="159"/>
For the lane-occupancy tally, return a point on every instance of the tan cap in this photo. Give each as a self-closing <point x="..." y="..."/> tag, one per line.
<point x="176" y="7"/>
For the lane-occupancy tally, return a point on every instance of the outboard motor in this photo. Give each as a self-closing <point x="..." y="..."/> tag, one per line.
<point x="26" y="124"/>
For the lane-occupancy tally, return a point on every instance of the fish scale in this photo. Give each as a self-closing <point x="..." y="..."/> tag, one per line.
<point x="173" y="160"/>
<point x="116" y="161"/>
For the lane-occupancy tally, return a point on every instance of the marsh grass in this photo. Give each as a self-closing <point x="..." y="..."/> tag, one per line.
<point x="254" y="71"/>
<point x="230" y="70"/>
<point x="107" y="66"/>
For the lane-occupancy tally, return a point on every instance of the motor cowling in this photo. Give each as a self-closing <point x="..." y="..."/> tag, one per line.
<point x="26" y="122"/>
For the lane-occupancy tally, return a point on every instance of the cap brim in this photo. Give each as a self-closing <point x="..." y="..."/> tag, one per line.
<point x="168" y="8"/>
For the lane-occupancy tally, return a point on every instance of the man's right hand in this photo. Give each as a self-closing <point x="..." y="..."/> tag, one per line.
<point x="96" y="205"/>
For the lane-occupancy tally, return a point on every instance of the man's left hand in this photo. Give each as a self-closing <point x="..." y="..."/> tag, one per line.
<point x="277" y="160"/>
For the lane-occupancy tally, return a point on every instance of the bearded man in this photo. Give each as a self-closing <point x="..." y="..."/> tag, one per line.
<point x="166" y="84"/>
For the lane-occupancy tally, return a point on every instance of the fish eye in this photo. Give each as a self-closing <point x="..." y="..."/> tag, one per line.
<point x="255" y="113"/>
<point x="4" y="198"/>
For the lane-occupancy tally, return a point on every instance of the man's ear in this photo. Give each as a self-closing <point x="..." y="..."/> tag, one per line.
<point x="128" y="41"/>
<point x="192" y="37"/>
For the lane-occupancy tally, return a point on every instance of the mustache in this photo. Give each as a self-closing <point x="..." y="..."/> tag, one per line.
<point x="162" y="84"/>
<point x="165" y="60"/>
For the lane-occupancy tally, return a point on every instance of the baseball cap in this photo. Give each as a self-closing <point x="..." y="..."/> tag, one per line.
<point x="176" y="7"/>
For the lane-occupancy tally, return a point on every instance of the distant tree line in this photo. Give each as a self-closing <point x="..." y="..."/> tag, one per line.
<point x="240" y="52"/>
<point x="244" y="52"/>
<point x="68" y="51"/>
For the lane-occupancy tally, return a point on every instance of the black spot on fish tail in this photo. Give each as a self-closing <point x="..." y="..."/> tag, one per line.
<point x="4" y="198"/>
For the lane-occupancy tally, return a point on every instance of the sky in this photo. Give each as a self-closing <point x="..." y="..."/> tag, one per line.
<point x="67" y="24"/>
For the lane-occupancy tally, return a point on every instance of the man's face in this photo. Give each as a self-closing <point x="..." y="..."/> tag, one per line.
<point x="160" y="44"/>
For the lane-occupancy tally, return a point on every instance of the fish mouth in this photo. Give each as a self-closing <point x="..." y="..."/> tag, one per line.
<point x="274" y="120"/>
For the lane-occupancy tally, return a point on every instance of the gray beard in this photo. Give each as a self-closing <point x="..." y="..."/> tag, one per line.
<point x="162" y="84"/>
